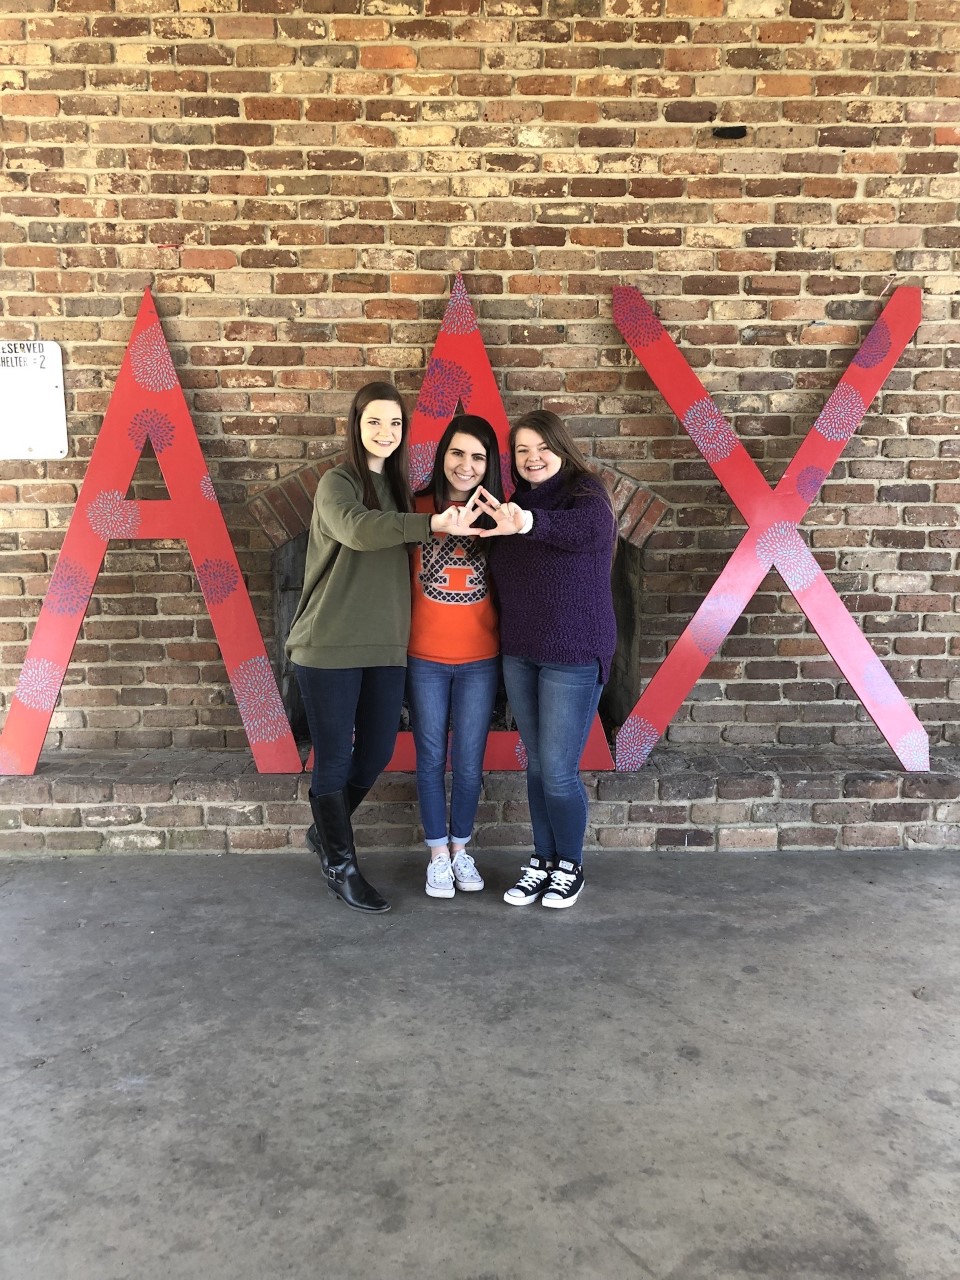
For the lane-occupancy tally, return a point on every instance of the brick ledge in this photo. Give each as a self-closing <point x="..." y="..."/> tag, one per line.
<point x="762" y="799"/>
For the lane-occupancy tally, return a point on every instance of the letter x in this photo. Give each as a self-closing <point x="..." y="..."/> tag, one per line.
<point x="772" y="538"/>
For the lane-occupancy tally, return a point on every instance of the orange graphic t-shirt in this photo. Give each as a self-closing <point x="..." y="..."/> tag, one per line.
<point x="453" y="619"/>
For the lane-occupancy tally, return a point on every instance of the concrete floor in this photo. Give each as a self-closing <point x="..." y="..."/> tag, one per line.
<point x="712" y="1068"/>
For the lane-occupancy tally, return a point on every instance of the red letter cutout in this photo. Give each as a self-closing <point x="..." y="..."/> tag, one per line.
<point x="147" y="403"/>
<point x="772" y="538"/>
<point x="459" y="372"/>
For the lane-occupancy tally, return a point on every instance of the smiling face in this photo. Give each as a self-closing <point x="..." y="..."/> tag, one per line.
<point x="464" y="466"/>
<point x="533" y="457"/>
<point x="381" y="430"/>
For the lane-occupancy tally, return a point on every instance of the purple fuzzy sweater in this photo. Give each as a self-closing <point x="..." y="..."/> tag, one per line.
<point x="553" y="583"/>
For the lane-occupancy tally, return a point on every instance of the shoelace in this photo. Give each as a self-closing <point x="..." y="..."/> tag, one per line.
<point x="561" y="880"/>
<point x="440" y="871"/>
<point x="532" y="878"/>
<point x="464" y="866"/>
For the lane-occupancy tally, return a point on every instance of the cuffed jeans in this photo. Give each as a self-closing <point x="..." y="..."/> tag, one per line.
<point x="354" y="716"/>
<point x="554" y="705"/>
<point x="455" y="699"/>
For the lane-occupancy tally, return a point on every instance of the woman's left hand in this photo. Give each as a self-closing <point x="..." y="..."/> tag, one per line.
<point x="507" y="516"/>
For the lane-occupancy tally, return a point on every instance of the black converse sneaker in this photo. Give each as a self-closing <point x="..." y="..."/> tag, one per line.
<point x="566" y="881"/>
<point x="533" y="880"/>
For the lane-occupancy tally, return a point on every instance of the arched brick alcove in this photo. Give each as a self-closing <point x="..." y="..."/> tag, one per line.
<point x="284" y="510"/>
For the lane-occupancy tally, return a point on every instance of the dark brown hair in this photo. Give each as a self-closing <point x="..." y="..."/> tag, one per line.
<point x="471" y="424"/>
<point x="395" y="467"/>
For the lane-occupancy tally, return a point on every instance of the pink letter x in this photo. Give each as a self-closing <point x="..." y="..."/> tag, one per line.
<point x="772" y="538"/>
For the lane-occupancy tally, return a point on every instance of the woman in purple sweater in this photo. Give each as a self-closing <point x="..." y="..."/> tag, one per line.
<point x="557" y="637"/>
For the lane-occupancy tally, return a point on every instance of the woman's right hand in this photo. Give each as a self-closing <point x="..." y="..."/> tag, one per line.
<point x="456" y="519"/>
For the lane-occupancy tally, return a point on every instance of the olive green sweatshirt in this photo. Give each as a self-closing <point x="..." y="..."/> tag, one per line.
<point x="355" y="606"/>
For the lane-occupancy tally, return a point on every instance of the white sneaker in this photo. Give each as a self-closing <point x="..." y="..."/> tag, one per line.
<point x="465" y="874"/>
<point x="440" y="877"/>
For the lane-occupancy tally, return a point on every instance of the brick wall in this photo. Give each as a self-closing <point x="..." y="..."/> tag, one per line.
<point x="298" y="188"/>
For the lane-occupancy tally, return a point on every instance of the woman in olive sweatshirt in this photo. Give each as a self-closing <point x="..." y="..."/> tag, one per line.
<point x="348" y="642"/>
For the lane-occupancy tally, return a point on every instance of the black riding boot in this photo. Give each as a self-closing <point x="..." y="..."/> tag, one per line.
<point x="338" y="857"/>
<point x="313" y="840"/>
<point x="354" y="796"/>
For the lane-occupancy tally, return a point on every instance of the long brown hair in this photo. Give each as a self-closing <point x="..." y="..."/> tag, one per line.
<point x="479" y="429"/>
<point x="395" y="467"/>
<point x="574" y="468"/>
<point x="555" y="434"/>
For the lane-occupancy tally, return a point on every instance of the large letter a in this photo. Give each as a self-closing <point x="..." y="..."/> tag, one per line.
<point x="147" y="403"/>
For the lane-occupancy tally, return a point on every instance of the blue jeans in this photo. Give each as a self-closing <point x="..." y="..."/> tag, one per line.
<point x="554" y="705"/>
<point x="457" y="699"/>
<point x="354" y="716"/>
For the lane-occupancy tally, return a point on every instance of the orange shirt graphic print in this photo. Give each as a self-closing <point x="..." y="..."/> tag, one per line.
<point x="452" y="572"/>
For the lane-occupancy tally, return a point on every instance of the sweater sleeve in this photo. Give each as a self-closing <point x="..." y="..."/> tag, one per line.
<point x="339" y="513"/>
<point x="588" y="523"/>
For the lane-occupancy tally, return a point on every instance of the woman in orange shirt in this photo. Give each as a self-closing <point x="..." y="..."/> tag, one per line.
<point x="453" y="665"/>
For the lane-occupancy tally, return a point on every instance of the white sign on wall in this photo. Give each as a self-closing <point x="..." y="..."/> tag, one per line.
<point x="33" y="414"/>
